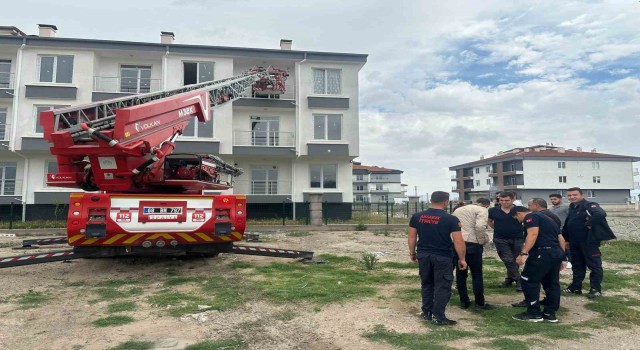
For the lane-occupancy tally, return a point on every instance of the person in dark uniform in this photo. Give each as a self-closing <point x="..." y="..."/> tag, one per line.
<point x="507" y="237"/>
<point x="434" y="233"/>
<point x="543" y="253"/>
<point x="539" y="205"/>
<point x="586" y="226"/>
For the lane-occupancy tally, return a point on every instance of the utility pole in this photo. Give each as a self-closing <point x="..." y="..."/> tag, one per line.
<point x="415" y="190"/>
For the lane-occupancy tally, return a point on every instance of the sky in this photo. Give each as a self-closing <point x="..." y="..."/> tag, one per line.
<point x="445" y="82"/>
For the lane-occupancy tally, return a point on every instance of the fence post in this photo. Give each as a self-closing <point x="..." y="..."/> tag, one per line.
<point x="11" y="216"/>
<point x="308" y="211"/>
<point x="284" y="212"/>
<point x="387" y="212"/>
<point x="416" y="207"/>
<point x="407" y="209"/>
<point x="392" y="207"/>
<point x="422" y="205"/>
<point x="450" y="207"/>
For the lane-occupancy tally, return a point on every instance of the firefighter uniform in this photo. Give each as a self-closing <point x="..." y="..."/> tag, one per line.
<point x="435" y="258"/>
<point x="542" y="266"/>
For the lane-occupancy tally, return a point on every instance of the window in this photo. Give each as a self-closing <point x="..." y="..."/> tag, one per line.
<point x="197" y="72"/>
<point x="596" y="179"/>
<point x="359" y="177"/>
<point x="8" y="178"/>
<point x="359" y="187"/>
<point x="562" y="179"/>
<point x="488" y="169"/>
<point x="327" y="81"/>
<point x="327" y="126"/>
<point x="359" y="198"/>
<point x="55" y="69"/>
<point x="38" y="128"/>
<point x="562" y="165"/>
<point x="477" y="170"/>
<point x="512" y="167"/>
<point x="384" y="198"/>
<point x="5" y="73"/>
<point x="379" y="187"/>
<point x="264" y="180"/>
<point x="197" y="129"/>
<point x="477" y="182"/>
<point x="591" y="194"/>
<point x="3" y="123"/>
<point x="323" y="176"/>
<point x="265" y="131"/>
<point x="563" y="193"/>
<point x="135" y="79"/>
<point x="50" y="167"/>
<point x="595" y="165"/>
<point x="488" y="181"/>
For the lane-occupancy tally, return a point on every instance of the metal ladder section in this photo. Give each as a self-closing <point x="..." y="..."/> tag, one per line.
<point x="101" y="115"/>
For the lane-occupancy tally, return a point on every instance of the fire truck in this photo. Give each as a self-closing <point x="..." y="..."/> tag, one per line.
<point x="139" y="196"/>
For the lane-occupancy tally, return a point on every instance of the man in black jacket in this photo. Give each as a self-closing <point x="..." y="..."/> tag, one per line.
<point x="585" y="227"/>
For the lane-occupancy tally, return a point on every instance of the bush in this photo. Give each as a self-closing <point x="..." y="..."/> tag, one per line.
<point x="369" y="261"/>
<point x="361" y="227"/>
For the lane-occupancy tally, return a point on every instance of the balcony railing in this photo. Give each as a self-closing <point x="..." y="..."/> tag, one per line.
<point x="6" y="80"/>
<point x="5" y="131"/>
<point x="264" y="138"/>
<point x="11" y="187"/>
<point x="125" y="85"/>
<point x="259" y="187"/>
<point x="379" y="189"/>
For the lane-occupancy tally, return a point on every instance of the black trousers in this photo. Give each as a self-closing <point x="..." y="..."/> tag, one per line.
<point x="586" y="255"/>
<point x="474" y="263"/>
<point x="542" y="267"/>
<point x="508" y="250"/>
<point x="436" y="275"/>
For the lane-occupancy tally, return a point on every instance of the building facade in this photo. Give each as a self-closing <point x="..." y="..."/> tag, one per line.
<point x="289" y="146"/>
<point x="372" y="184"/>
<point x="539" y="171"/>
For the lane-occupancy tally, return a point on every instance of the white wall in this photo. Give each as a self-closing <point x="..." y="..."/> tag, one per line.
<point x="543" y="174"/>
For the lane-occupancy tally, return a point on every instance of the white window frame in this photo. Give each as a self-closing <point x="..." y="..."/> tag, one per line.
<point x="591" y="194"/>
<point x="359" y="187"/>
<point x="360" y="198"/>
<point x="197" y="124"/>
<point x="562" y="179"/>
<point x="488" y="168"/>
<point x="139" y="69"/>
<point x="562" y="165"/>
<point x="379" y="187"/>
<point x="326" y="127"/>
<point x="595" y="165"/>
<point x="46" y="171"/>
<point x="322" y="169"/>
<point x="478" y="183"/>
<point x="384" y="198"/>
<point x="270" y="185"/>
<point x="325" y="70"/>
<point x="54" y="75"/>
<point x="359" y="177"/>
<point x="4" y="180"/>
<point x="489" y="182"/>
<point x="4" y="125"/>
<point x="596" y="179"/>
<point x="36" y="115"/>
<point x="477" y="170"/>
<point x="5" y="79"/>
<point x="213" y="71"/>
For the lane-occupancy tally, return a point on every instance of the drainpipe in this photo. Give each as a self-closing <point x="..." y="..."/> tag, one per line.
<point x="165" y="58"/>
<point x="297" y="137"/>
<point x="16" y="96"/>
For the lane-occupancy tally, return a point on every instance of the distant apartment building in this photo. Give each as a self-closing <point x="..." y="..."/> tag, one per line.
<point x="289" y="145"/>
<point x="373" y="184"/>
<point x="538" y="171"/>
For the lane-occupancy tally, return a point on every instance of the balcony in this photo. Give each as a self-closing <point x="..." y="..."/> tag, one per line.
<point x="6" y="80"/>
<point x="12" y="188"/>
<point x="6" y="85"/>
<point x="259" y="191"/>
<point x="264" y="143"/>
<point x="383" y="189"/>
<point x="286" y="100"/>
<point x="112" y="87"/>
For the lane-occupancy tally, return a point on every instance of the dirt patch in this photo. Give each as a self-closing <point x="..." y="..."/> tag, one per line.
<point x="64" y="320"/>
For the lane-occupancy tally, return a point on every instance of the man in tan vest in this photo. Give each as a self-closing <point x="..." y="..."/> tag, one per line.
<point x="474" y="232"/>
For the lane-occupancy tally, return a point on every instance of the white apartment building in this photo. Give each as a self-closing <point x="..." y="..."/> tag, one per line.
<point x="373" y="184"/>
<point x="289" y="146"/>
<point x="539" y="171"/>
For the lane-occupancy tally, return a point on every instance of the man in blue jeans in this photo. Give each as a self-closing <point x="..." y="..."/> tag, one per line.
<point x="432" y="234"/>
<point x="508" y="237"/>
